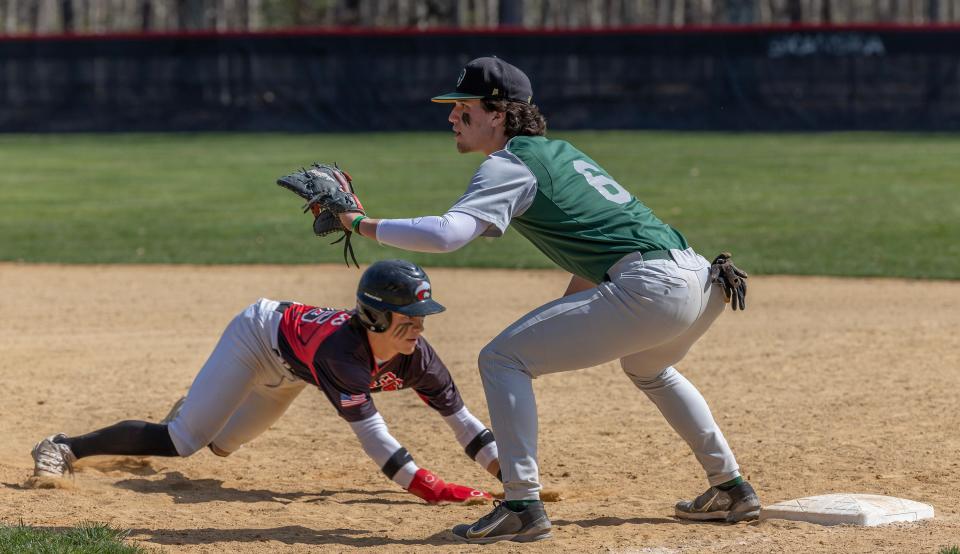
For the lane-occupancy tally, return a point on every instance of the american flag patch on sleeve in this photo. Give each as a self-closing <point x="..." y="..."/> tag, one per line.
<point x="348" y="400"/>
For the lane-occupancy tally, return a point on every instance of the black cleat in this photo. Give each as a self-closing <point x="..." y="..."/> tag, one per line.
<point x="737" y="504"/>
<point x="503" y="524"/>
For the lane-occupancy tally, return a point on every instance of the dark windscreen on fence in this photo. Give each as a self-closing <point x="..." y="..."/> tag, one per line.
<point x="707" y="79"/>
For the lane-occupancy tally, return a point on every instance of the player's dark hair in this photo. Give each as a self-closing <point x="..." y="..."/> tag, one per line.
<point x="521" y="119"/>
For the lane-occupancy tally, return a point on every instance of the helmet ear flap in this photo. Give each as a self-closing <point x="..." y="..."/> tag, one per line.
<point x="373" y="320"/>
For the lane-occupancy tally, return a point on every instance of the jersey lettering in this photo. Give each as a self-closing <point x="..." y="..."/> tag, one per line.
<point x="306" y="327"/>
<point x="607" y="187"/>
<point x="317" y="316"/>
<point x="582" y="232"/>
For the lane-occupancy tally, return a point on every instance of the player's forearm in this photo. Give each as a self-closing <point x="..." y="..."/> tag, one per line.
<point x="397" y="464"/>
<point x="389" y="455"/>
<point x="434" y="234"/>
<point x="477" y="441"/>
<point x="368" y="227"/>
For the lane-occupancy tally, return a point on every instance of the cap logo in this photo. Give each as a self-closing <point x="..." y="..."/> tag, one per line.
<point x="463" y="73"/>
<point x="495" y="92"/>
<point x="423" y="290"/>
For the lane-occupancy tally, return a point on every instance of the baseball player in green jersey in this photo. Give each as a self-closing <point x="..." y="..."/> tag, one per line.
<point x="638" y="293"/>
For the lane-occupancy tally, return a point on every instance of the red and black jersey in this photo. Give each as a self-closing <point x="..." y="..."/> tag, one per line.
<point x="321" y="348"/>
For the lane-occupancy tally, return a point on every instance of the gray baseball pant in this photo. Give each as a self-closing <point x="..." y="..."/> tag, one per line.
<point x="648" y="315"/>
<point x="242" y="389"/>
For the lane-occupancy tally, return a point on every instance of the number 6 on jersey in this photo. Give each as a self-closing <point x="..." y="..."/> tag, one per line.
<point x="610" y="189"/>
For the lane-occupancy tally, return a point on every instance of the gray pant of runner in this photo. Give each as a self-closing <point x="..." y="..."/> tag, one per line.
<point x="242" y="389"/>
<point x="648" y="315"/>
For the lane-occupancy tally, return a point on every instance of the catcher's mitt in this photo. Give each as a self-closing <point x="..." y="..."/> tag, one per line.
<point x="732" y="279"/>
<point x="328" y="191"/>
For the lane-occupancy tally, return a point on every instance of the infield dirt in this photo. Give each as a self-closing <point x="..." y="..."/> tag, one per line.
<point x="821" y="386"/>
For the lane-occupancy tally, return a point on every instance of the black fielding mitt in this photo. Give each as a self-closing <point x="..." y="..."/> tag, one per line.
<point x="328" y="191"/>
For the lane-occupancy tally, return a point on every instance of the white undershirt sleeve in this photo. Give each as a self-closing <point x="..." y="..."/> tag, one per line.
<point x="379" y="444"/>
<point x="465" y="428"/>
<point x="434" y="234"/>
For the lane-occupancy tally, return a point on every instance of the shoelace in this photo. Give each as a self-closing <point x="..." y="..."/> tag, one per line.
<point x="55" y="459"/>
<point x="489" y="517"/>
<point x="47" y="460"/>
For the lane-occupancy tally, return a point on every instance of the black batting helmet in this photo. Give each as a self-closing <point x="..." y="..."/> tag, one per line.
<point x="393" y="286"/>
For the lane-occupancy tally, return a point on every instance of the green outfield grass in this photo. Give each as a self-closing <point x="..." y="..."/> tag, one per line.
<point x="86" y="538"/>
<point x="830" y="204"/>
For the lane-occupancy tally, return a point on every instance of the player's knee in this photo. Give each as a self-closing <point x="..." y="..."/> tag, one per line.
<point x="489" y="359"/>
<point x="184" y="443"/>
<point x="493" y="359"/>
<point x="645" y="377"/>
<point x="185" y="450"/>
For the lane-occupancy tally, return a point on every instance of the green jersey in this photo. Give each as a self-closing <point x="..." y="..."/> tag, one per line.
<point x="566" y="205"/>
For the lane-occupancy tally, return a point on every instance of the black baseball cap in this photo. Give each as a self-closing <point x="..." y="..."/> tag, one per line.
<point x="490" y="77"/>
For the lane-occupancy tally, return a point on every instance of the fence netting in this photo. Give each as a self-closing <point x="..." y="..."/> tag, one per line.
<point x="734" y="79"/>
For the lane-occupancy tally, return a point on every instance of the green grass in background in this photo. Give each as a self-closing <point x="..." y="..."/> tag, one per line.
<point x="861" y="204"/>
<point x="86" y="538"/>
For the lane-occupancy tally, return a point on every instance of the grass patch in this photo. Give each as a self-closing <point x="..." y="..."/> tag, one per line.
<point x="950" y="550"/>
<point x="92" y="538"/>
<point x="858" y="204"/>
